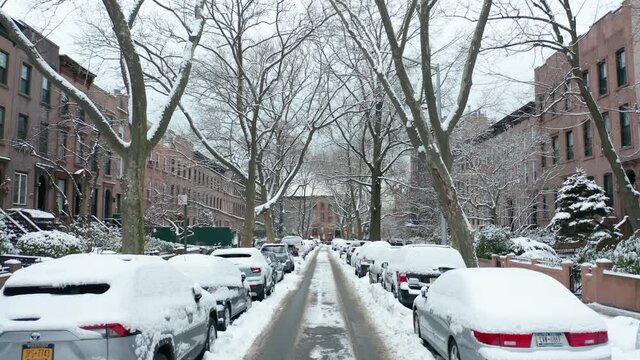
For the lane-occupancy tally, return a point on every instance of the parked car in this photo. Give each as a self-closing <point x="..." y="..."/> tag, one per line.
<point x="335" y="243"/>
<point x="282" y="253"/>
<point x="352" y="247"/>
<point x="91" y="306"/>
<point x="254" y="266"/>
<point x="295" y="245"/>
<point x="276" y="266"/>
<point x="494" y="313"/>
<point x="379" y="266"/>
<point x="415" y="266"/>
<point x="221" y="278"/>
<point x="343" y="248"/>
<point x="367" y="255"/>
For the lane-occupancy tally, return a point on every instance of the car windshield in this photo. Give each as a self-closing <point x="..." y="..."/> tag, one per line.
<point x="57" y="290"/>
<point x="274" y="249"/>
<point x="232" y="256"/>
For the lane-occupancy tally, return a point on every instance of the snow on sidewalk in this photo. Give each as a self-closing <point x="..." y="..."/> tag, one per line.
<point x="237" y="340"/>
<point x="623" y="337"/>
<point x="392" y="320"/>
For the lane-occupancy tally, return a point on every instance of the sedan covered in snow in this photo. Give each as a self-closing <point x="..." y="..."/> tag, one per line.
<point x="93" y="306"/>
<point x="507" y="314"/>
<point x="367" y="255"/>
<point x="416" y="266"/>
<point x="221" y="278"/>
<point x="254" y="266"/>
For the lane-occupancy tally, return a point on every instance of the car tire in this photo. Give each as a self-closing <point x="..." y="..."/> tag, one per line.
<point x="260" y="296"/>
<point x="226" y="318"/>
<point x="212" y="333"/>
<point x="416" y="324"/>
<point x="454" y="351"/>
<point x="161" y="356"/>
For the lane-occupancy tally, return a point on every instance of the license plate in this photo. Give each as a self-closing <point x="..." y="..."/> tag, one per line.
<point x="549" y="339"/>
<point x="37" y="352"/>
<point x="414" y="282"/>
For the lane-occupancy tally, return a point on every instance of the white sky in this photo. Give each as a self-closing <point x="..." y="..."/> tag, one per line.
<point x="64" y="25"/>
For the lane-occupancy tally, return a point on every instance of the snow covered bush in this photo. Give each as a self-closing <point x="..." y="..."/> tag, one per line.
<point x="153" y="244"/>
<point x="539" y="234"/>
<point x="50" y="243"/>
<point x="528" y="248"/>
<point x="580" y="201"/>
<point x="626" y="255"/>
<point x="6" y="237"/>
<point x="98" y="236"/>
<point x="492" y="240"/>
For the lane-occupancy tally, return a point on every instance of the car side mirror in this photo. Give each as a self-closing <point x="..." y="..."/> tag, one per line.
<point x="197" y="293"/>
<point x="243" y="277"/>
<point x="423" y="291"/>
<point x="385" y="265"/>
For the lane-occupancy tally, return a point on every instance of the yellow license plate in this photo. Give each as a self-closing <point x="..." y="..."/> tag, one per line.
<point x="44" y="352"/>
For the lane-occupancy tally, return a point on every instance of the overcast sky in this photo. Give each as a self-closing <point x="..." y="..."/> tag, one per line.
<point x="63" y="27"/>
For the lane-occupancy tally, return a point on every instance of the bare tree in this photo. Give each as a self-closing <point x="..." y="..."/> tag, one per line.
<point x="131" y="55"/>
<point x="428" y="134"/>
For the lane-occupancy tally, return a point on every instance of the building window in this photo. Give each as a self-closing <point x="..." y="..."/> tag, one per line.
<point x="621" y="67"/>
<point x="61" y="195"/>
<point x="1" y="122"/>
<point x="545" y="207"/>
<point x="64" y="104"/>
<point x="4" y="67"/>
<point x="25" y="79"/>
<point x="587" y="132"/>
<point x="555" y="149"/>
<point x="607" y="121"/>
<point x="569" y="140"/>
<point x="107" y="164"/>
<point x="543" y="156"/>
<point x="23" y="126"/>
<point x="603" y="86"/>
<point x="43" y="143"/>
<point x="586" y="79"/>
<point x="20" y="189"/>
<point x="62" y="144"/>
<point x="625" y="126"/>
<point x="608" y="188"/>
<point x="46" y="91"/>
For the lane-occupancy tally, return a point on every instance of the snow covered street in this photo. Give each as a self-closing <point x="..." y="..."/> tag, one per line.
<point x="322" y="311"/>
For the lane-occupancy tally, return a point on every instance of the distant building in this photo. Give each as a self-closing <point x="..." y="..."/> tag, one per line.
<point x="309" y="213"/>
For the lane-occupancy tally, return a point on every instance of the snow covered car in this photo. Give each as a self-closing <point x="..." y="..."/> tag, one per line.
<point x="352" y="247"/>
<point x="510" y="314"/>
<point x="92" y="306"/>
<point x="254" y="266"/>
<point x="415" y="266"/>
<point x="221" y="278"/>
<point x="276" y="266"/>
<point x="367" y="255"/>
<point x="335" y="243"/>
<point x="380" y="264"/>
<point x="294" y="243"/>
<point x="281" y="251"/>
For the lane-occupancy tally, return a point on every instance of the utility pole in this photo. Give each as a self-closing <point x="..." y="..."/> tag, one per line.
<point x="184" y="201"/>
<point x="443" y="220"/>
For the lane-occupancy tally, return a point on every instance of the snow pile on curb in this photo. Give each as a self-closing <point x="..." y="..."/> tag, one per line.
<point x="240" y="336"/>
<point x="624" y="337"/>
<point x="392" y="320"/>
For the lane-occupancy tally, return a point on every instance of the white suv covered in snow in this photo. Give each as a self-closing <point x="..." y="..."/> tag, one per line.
<point x="93" y="306"/>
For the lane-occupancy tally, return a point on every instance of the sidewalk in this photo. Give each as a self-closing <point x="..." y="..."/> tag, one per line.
<point x="611" y="311"/>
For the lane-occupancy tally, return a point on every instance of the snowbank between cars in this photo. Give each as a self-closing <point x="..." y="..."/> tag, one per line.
<point x="391" y="319"/>
<point x="236" y="342"/>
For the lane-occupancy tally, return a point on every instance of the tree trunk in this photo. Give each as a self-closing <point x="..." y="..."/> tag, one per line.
<point x="268" y="226"/>
<point x="133" y="204"/>
<point x="250" y="212"/>
<point x="461" y="233"/>
<point x="375" y="221"/>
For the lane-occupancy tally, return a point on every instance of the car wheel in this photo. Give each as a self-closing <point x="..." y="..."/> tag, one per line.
<point x="260" y="295"/>
<point x="395" y="294"/>
<point x="212" y="334"/>
<point x="160" y="356"/>
<point x="454" y="352"/>
<point x="416" y="324"/>
<point x="226" y="318"/>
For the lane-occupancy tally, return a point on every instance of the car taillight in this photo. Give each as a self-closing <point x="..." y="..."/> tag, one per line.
<point x="112" y="329"/>
<point x="402" y="278"/>
<point x="587" y="339"/>
<point x="504" y="340"/>
<point x="256" y="270"/>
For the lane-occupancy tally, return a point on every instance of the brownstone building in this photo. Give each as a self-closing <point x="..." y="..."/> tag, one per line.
<point x="609" y="54"/>
<point x="310" y="213"/>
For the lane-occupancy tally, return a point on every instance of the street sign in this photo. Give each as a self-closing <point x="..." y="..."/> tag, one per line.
<point x="183" y="200"/>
